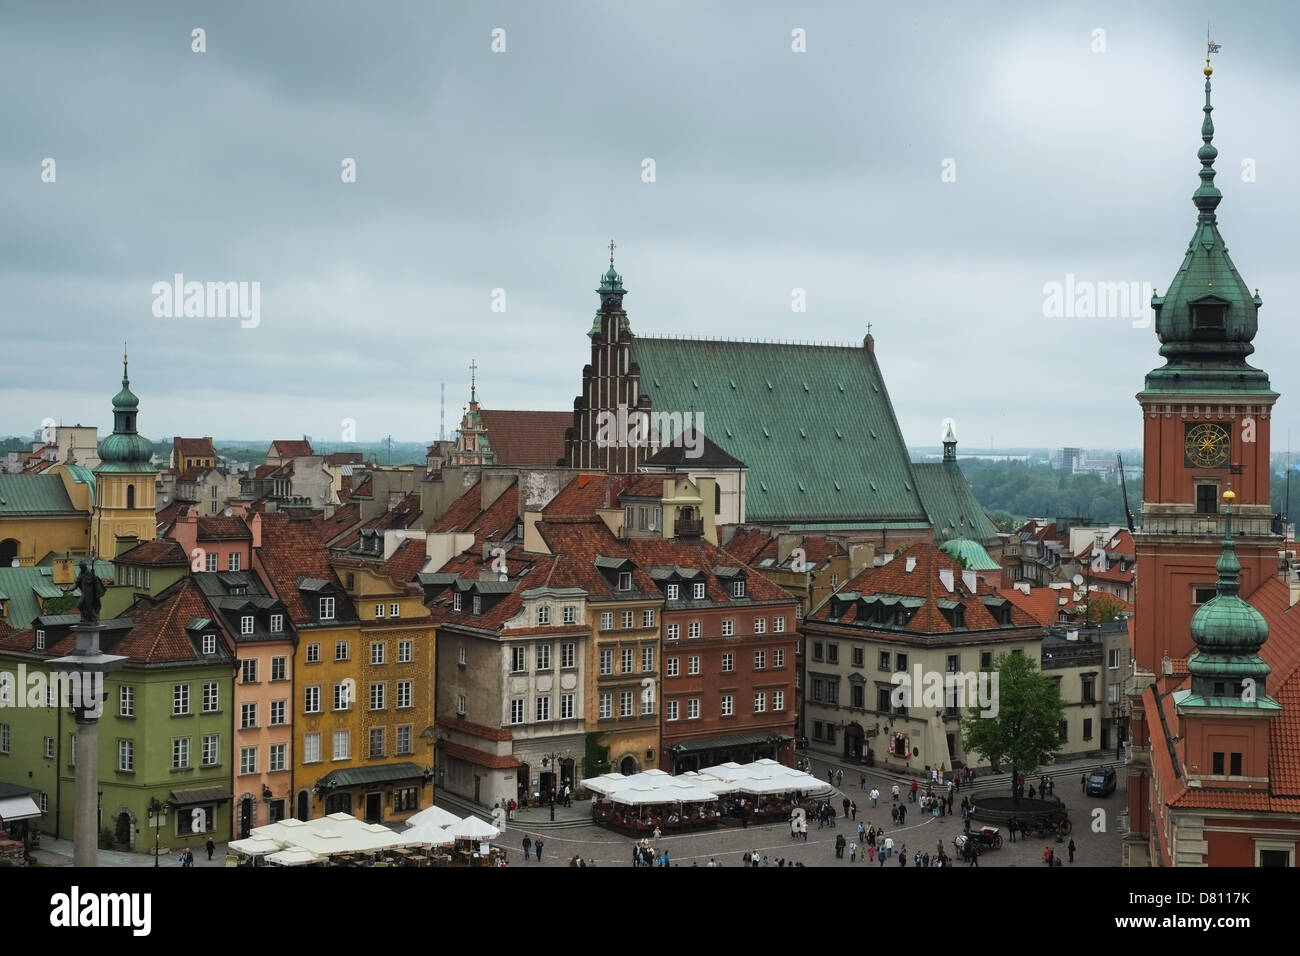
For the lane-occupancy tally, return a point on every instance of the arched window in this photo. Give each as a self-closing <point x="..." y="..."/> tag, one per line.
<point x="8" y="552"/>
<point x="130" y="496"/>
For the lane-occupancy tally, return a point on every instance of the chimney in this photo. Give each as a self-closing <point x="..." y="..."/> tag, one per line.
<point x="911" y="563"/>
<point x="968" y="578"/>
<point x="255" y="526"/>
<point x="945" y="575"/>
<point x="1022" y="587"/>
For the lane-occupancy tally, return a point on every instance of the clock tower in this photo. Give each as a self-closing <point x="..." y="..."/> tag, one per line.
<point x="1206" y="415"/>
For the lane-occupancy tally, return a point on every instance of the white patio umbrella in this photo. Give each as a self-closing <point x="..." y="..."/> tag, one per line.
<point x="472" y="828"/>
<point x="295" y="857"/>
<point x="429" y="834"/>
<point x="435" y="815"/>
<point x="252" y="847"/>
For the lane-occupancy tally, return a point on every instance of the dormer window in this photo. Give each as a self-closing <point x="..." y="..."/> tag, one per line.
<point x="625" y="580"/>
<point x="326" y="608"/>
<point x="246" y="624"/>
<point x="673" y="591"/>
<point x="277" y="623"/>
<point x="699" y="591"/>
<point x="209" y="644"/>
<point x="1208" y="317"/>
<point x="543" y="614"/>
<point x="40" y="639"/>
<point x="478" y="605"/>
<point x="738" y="589"/>
<point x="455" y="601"/>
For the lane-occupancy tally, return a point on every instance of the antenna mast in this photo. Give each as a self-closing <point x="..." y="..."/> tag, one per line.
<point x="1128" y="512"/>
<point x="442" y="416"/>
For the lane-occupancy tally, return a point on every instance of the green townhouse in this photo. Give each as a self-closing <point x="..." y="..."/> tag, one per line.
<point x="167" y="724"/>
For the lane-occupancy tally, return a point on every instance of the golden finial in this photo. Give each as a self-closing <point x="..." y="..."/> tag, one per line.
<point x="1229" y="496"/>
<point x="611" y="252"/>
<point x="1209" y="70"/>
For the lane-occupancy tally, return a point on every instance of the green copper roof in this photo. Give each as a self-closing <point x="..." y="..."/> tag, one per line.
<point x="125" y="451"/>
<point x="24" y="495"/>
<point x="1207" y="317"/>
<point x="813" y="422"/>
<point x="951" y="504"/>
<point x="971" y="554"/>
<point x="25" y="586"/>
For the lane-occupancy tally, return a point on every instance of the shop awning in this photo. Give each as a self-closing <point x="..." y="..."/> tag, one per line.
<point x="186" y="798"/>
<point x="369" y="776"/>
<point x="719" y="743"/>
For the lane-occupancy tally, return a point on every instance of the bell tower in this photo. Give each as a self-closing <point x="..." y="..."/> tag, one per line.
<point x="124" y="480"/>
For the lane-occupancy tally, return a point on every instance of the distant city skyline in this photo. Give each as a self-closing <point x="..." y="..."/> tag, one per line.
<point x="955" y="187"/>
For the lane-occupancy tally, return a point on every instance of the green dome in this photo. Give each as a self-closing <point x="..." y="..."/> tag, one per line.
<point x="125" y="450"/>
<point x="1228" y="624"/>
<point x="126" y="399"/>
<point x="119" y="448"/>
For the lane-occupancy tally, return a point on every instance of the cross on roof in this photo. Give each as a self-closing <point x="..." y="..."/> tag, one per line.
<point x="611" y="252"/>
<point x="473" y="369"/>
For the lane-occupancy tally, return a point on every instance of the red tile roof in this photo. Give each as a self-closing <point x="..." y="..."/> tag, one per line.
<point x="222" y="528"/>
<point x="477" y="757"/>
<point x="751" y="544"/>
<point x="344" y="458"/>
<point x="473" y="729"/>
<point x="587" y="492"/>
<point x="291" y="448"/>
<point x="404" y="514"/>
<point x="159" y="551"/>
<point x="193" y="448"/>
<point x="526" y="438"/>
<point x="291" y="549"/>
<point x="644" y="486"/>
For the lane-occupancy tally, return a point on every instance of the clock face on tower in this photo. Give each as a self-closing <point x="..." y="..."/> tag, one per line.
<point x="1206" y="446"/>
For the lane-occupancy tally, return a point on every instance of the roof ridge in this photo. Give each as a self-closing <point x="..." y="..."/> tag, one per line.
<point x="723" y="340"/>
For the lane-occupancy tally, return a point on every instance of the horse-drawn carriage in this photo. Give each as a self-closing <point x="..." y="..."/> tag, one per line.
<point x="985" y="838"/>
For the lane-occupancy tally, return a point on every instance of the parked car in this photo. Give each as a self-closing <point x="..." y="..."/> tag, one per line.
<point x="1101" y="782"/>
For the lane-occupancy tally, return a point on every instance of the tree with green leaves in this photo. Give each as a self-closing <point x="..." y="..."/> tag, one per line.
<point x="1102" y="607"/>
<point x="1023" y="731"/>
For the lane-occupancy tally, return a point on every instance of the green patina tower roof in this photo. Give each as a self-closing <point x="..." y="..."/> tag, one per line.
<point x="611" y="293"/>
<point x="1208" y="317"/>
<point x="1228" y="633"/>
<point x="125" y="450"/>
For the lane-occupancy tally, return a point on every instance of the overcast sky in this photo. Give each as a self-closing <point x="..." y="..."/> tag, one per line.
<point x="476" y="171"/>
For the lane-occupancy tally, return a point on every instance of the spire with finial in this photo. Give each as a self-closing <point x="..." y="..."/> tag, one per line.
<point x="1207" y="195"/>
<point x="949" y="441"/>
<point x="473" y="381"/>
<point x="611" y="294"/>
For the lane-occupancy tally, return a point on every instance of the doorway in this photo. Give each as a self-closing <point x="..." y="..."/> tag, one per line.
<point x="245" y="817"/>
<point x="521" y="783"/>
<point x="627" y="766"/>
<point x="566" y="774"/>
<point x="547" y="785"/>
<point x="304" y="807"/>
<point x="853" y="742"/>
<point x="338" y="803"/>
<point x="374" y="807"/>
<point x="122" y="831"/>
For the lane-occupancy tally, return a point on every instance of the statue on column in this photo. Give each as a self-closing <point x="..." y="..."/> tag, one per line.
<point x="92" y="590"/>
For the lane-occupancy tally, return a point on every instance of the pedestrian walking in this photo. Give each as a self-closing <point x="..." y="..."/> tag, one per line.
<point x="658" y="833"/>
<point x="803" y="831"/>
<point x="839" y="778"/>
<point x="1071" y="848"/>
<point x="875" y="795"/>
<point x="853" y="809"/>
<point x="893" y="815"/>
<point x="889" y="846"/>
<point x="916" y="858"/>
<point x="911" y="794"/>
<point x="528" y="846"/>
<point x="845" y="804"/>
<point x="862" y="782"/>
<point x="537" y="848"/>
<point x="895" y="792"/>
<point x="211" y="847"/>
<point x="902" y="814"/>
<point x="853" y="853"/>
<point x="871" y="853"/>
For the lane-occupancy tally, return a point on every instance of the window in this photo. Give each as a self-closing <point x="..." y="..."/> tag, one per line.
<point x="647" y="660"/>
<point x="311" y="748"/>
<point x="1089" y="692"/>
<point x="778" y="700"/>
<point x="378" y="653"/>
<point x="1203" y="595"/>
<point x="728" y="663"/>
<point x="460" y="654"/>
<point x="210" y="559"/>
<point x="477" y="606"/>
<point x="342" y="696"/>
<point x="628" y="619"/>
<point x="818" y="652"/>
<point x="517" y="710"/>
<point x="394" y="609"/>
<point x="832" y="692"/>
<point x="313" y="653"/>
<point x="543" y="657"/>
<point x="377" y="742"/>
<point x="606" y="662"/>
<point x="342" y="744"/>
<point x="569" y="614"/>
<point x="778" y="625"/>
<point x="180" y="753"/>
<point x="279" y="713"/>
<point x="125" y="701"/>
<point x="404" y="652"/>
<point x="326" y="609"/>
<point x="648" y="618"/>
<point x="672" y="710"/>
<point x="760" y="660"/>
<point x="1063" y="731"/>
<point x="249" y="670"/>
<point x="1087" y="728"/>
<point x="986" y="660"/>
<point x="692" y="665"/>
<point x="544" y="708"/>
<point x="670" y="667"/>
<point x="674" y="632"/>
<point x="1267" y="857"/>
<point x="625" y="703"/>
<point x="698" y="591"/>
<point x="625" y="580"/>
<point x="180" y="700"/>
<point x="882" y="700"/>
<point x="778" y="657"/>
<point x="647" y="706"/>
<point x="247" y="760"/>
<point x="232" y="561"/>
<point x="49" y="748"/>
<point x="693" y="629"/>
<point x="900" y="662"/>
<point x="728" y="628"/>
<point x="832" y="653"/>
<point x="1217" y="764"/>
<point x="211" y="749"/>
<point x="404" y="693"/>
<point x="311" y="700"/>
<point x="277" y="623"/>
<point x="568" y="654"/>
<point x="341" y="650"/>
<point x="455" y="601"/>
<point x="726" y="705"/>
<point x="693" y="709"/>
<point x="126" y="756"/>
<point x="460" y="703"/>
<point x="1112" y="659"/>
<point x="246" y="624"/>
<point x="760" y="625"/>
<point x="673" y="591"/>
<point x="277" y="758"/>
<point x="606" y="620"/>
<point x="247" y="716"/>
<point x="209" y="644"/>
<point x="606" y="706"/>
<point x="566" y="707"/>
<point x="1207" y="497"/>
<point x="737" y="588"/>
<point x="518" y="660"/>
<point x="629" y="655"/>
<point x="403" y="740"/>
<point x="543" y="614"/>
<point x="1234" y="765"/>
<point x="760" y="702"/>
<point x="377" y="695"/>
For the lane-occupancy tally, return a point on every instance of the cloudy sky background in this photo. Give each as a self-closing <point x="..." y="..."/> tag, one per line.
<point x="478" y="171"/>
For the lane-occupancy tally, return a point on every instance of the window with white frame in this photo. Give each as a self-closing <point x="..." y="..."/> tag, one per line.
<point x="376" y="741"/>
<point x="210" y="749"/>
<point x="277" y="623"/>
<point x="760" y="625"/>
<point x="625" y="580"/>
<point x="728" y="627"/>
<point x="246" y="624"/>
<point x="647" y="706"/>
<point x="543" y="657"/>
<point x="404" y="652"/>
<point x="543" y="614"/>
<point x="760" y="702"/>
<point x="778" y="625"/>
<point x="210" y="559"/>
<point x="313" y="653"/>
<point x="405" y="690"/>
<point x="403" y="740"/>
<point x="311" y="700"/>
<point x="48" y="745"/>
<point x="248" y="668"/>
<point x="460" y="703"/>
<point x="778" y="657"/>
<point x="518" y="660"/>
<point x="247" y="760"/>
<point x="693" y="709"/>
<point x="628" y="619"/>
<point x="279" y="713"/>
<point x="279" y="668"/>
<point x="277" y="754"/>
<point x="180" y="753"/>
<point x="629" y="659"/>
<point x="247" y="716"/>
<point x="378" y="653"/>
<point x="693" y="665"/>
<point x="342" y="696"/>
<point x="326" y="608"/>
<point x="699" y="591"/>
<point x="455" y="601"/>
<point x="737" y="588"/>
<point x="126" y="756"/>
<point x="517" y="710"/>
<point x="209" y="644"/>
<point x="760" y="660"/>
<point x="672" y="710"/>
<point x="670" y="667"/>
<point x="342" y="744"/>
<point x="569" y="614"/>
<point x="341" y="650"/>
<point x="180" y="699"/>
<point x="647" y="660"/>
<point x="606" y="620"/>
<point x="126" y="700"/>
<point x="232" y="562"/>
<point x="625" y="703"/>
<point x="674" y="632"/>
<point x="566" y="706"/>
<point x="394" y="609"/>
<point x="477" y="605"/>
<point x="728" y="662"/>
<point x="543" y="709"/>
<point x="673" y="591"/>
<point x="379" y="610"/>
<point x="727" y="705"/>
<point x="648" y="618"/>
<point x="693" y="629"/>
<point x="311" y="748"/>
<point x="568" y="654"/>
<point x="606" y="662"/>
<point x="377" y="695"/>
<point x="606" y="705"/>
<point x="778" y="700"/>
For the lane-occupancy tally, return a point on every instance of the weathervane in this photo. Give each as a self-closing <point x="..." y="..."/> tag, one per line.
<point x="611" y="252"/>
<point x="1210" y="45"/>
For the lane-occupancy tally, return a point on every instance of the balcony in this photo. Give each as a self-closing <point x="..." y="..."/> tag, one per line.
<point x="687" y="528"/>
<point x="1207" y="525"/>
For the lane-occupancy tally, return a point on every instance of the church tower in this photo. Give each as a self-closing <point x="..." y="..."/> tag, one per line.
<point x="472" y="445"/>
<point x="124" y="480"/>
<point x="1206" y="415"/>
<point x="610" y="430"/>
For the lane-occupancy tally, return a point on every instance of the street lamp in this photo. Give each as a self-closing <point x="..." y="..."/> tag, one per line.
<point x="157" y="810"/>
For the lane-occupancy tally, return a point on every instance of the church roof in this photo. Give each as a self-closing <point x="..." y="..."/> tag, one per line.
<point x="526" y="438"/>
<point x="30" y="495"/>
<point x="950" y="503"/>
<point x="813" y="423"/>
